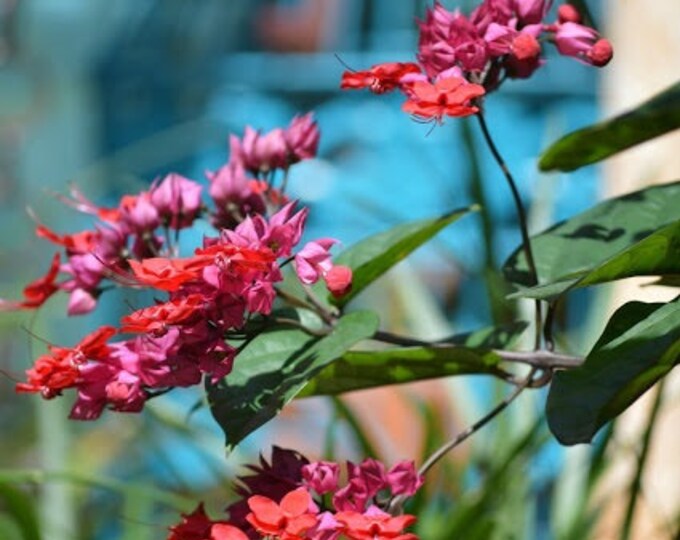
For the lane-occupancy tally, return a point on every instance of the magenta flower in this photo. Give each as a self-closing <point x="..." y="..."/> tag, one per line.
<point x="403" y="479"/>
<point x="321" y="476"/>
<point x="302" y="138"/>
<point x="177" y="200"/>
<point x="582" y="43"/>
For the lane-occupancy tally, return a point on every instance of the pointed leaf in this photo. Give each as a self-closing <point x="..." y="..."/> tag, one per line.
<point x="576" y="246"/>
<point x="358" y="370"/>
<point x="373" y="256"/>
<point x="274" y="367"/>
<point x="639" y="346"/>
<point x="20" y="507"/>
<point x="655" y="117"/>
<point x="656" y="255"/>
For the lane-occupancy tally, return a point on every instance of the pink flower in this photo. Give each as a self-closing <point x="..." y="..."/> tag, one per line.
<point x="138" y="214"/>
<point x="81" y="302"/>
<point x="314" y="260"/>
<point x="403" y="478"/>
<point x="234" y="195"/>
<point x="260" y="153"/>
<point x="321" y="476"/>
<point x="531" y="11"/>
<point x="302" y="138"/>
<point x="583" y="43"/>
<point x="177" y="199"/>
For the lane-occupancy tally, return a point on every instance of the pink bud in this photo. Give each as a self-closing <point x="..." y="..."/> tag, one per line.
<point x="525" y="47"/>
<point x="601" y="53"/>
<point x="568" y="13"/>
<point x="80" y="302"/>
<point x="339" y="280"/>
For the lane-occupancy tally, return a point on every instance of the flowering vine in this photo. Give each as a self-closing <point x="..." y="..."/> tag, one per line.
<point x="221" y="297"/>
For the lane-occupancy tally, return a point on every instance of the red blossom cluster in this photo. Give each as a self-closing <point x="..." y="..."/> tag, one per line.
<point x="211" y="294"/>
<point x="285" y="500"/>
<point x="460" y="58"/>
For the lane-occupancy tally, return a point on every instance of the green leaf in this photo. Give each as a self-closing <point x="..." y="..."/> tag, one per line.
<point x="19" y="506"/>
<point x="373" y="256"/>
<point x="575" y="247"/>
<point x="655" y="117"/>
<point x="656" y="255"/>
<point x="357" y="370"/>
<point x="639" y="346"/>
<point x="274" y="367"/>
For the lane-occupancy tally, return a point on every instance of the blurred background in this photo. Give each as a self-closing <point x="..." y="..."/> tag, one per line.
<point x="110" y="95"/>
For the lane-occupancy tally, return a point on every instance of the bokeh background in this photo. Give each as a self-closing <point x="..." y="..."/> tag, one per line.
<point x="110" y="95"/>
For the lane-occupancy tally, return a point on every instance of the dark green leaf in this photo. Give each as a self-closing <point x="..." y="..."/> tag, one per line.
<point x="357" y="370"/>
<point x="656" y="255"/>
<point x="639" y="346"/>
<point x="655" y="117"/>
<point x="373" y="256"/>
<point x="577" y="246"/>
<point x="20" y="507"/>
<point x="274" y="367"/>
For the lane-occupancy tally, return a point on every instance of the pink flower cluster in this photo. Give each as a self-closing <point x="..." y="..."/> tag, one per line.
<point x="212" y="293"/>
<point x="462" y="57"/>
<point x="285" y="500"/>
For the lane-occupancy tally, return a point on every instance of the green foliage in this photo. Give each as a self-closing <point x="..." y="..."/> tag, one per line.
<point x="18" y="510"/>
<point x="274" y="367"/>
<point x="657" y="254"/>
<point x="572" y="249"/>
<point x="373" y="256"/>
<point x="655" y="117"/>
<point x="639" y="346"/>
<point x="462" y="355"/>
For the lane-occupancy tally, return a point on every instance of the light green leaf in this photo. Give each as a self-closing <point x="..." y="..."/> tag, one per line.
<point x="373" y="256"/>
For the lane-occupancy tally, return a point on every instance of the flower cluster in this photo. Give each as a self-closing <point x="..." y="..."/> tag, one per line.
<point x="211" y="294"/>
<point x="460" y="58"/>
<point x="293" y="499"/>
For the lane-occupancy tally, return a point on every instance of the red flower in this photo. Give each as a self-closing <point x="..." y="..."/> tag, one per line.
<point x="380" y="78"/>
<point x="375" y="525"/>
<point x="36" y="292"/>
<point x="165" y="274"/>
<point x="158" y="317"/>
<point x="288" y="520"/>
<point x="54" y="372"/>
<point x="450" y="96"/>
<point x="224" y="531"/>
<point x="80" y="242"/>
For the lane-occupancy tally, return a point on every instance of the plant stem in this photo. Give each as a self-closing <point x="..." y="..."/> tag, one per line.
<point x="464" y="435"/>
<point x="636" y="484"/>
<point x="540" y="358"/>
<point x="521" y="215"/>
